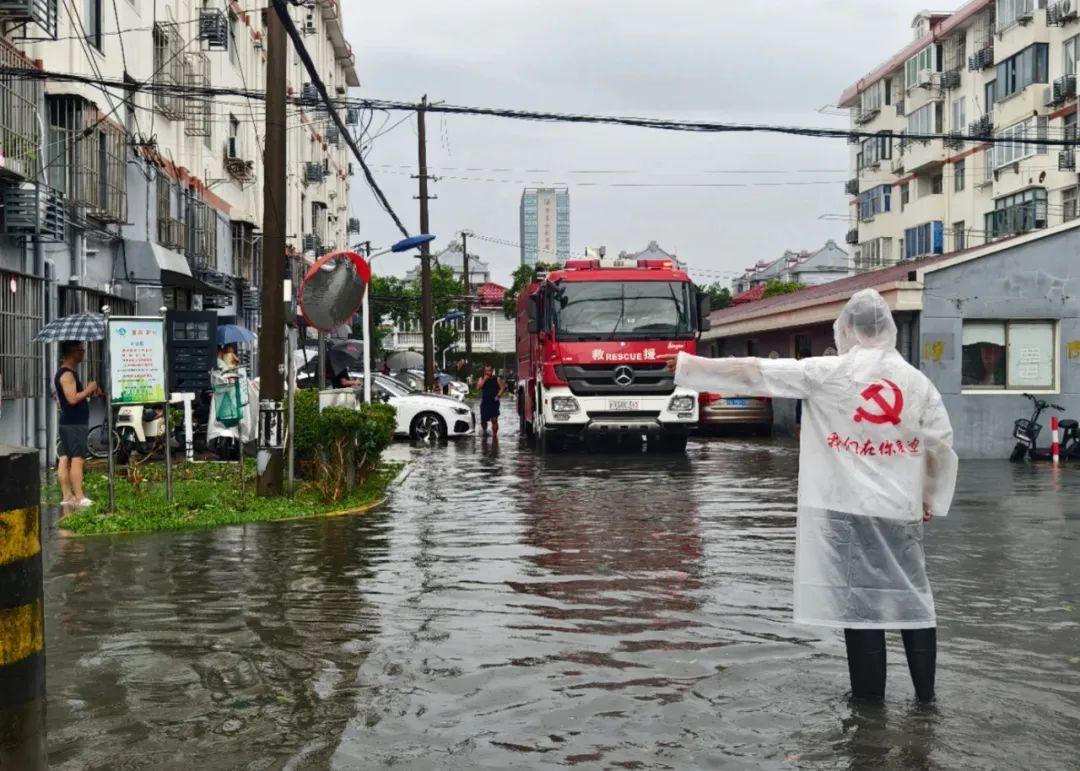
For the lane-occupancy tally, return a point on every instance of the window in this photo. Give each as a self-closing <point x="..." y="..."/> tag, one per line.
<point x="1008" y="354"/>
<point x="925" y="120"/>
<point x="922" y="240"/>
<point x="871" y="98"/>
<point x="875" y="253"/>
<point x="87" y="157"/>
<point x="959" y="171"/>
<point x="1069" y="202"/>
<point x="1012" y="148"/>
<point x="1011" y="11"/>
<point x="802" y="346"/>
<point x="874" y="151"/>
<point x="937" y="184"/>
<point x="1069" y="126"/>
<point x="874" y="201"/>
<point x="924" y="60"/>
<point x="1070" y="50"/>
<point x="22" y="311"/>
<point x="168" y="70"/>
<point x="959" y="235"/>
<point x="91" y="21"/>
<point x="243" y="251"/>
<point x="905" y="195"/>
<point x="480" y="323"/>
<point x="1017" y="213"/>
<point x="1021" y="70"/>
<point x="990" y="94"/>
<point x="958" y="116"/>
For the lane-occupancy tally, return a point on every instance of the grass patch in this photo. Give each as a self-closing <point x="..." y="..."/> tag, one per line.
<point x="208" y="495"/>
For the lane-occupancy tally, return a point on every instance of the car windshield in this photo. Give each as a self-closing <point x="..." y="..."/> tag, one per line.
<point x="601" y="310"/>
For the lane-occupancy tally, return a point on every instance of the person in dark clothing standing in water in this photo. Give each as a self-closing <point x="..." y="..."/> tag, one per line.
<point x="491" y="389"/>
<point x="74" y="401"/>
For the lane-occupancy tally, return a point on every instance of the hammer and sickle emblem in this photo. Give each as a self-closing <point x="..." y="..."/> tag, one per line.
<point x="890" y="413"/>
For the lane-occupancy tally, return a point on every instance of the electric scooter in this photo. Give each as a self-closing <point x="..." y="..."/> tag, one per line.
<point x="1026" y="432"/>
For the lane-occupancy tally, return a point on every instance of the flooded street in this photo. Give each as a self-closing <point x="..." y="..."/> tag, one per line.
<point x="506" y="610"/>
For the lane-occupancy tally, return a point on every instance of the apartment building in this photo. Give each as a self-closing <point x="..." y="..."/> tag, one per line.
<point x="1001" y="69"/>
<point x="150" y="195"/>
<point x="545" y="225"/>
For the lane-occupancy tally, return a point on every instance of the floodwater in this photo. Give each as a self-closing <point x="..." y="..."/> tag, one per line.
<point x="598" y="610"/>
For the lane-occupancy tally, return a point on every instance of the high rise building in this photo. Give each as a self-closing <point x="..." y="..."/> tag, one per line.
<point x="545" y="225"/>
<point x="994" y="69"/>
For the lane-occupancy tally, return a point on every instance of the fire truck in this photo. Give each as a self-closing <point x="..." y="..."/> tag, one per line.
<point x="593" y="342"/>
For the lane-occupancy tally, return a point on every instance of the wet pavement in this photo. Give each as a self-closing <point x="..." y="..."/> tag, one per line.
<point x="601" y="610"/>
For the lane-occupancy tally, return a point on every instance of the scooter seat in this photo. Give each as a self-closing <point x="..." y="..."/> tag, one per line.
<point x="1068" y="424"/>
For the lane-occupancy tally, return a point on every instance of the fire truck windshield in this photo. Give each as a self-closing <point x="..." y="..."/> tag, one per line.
<point x="627" y="310"/>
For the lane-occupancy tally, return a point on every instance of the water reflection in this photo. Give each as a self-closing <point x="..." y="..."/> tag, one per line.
<point x="583" y="609"/>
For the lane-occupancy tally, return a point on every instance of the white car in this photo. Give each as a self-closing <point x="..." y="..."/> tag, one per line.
<point x="423" y="416"/>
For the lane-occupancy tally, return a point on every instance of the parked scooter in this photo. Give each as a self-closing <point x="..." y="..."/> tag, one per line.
<point x="1026" y="433"/>
<point x="140" y="430"/>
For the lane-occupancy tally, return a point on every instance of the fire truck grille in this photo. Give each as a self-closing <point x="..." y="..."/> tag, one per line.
<point x="617" y="379"/>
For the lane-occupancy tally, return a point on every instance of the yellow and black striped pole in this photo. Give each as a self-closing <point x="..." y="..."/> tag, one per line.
<point x="22" y="629"/>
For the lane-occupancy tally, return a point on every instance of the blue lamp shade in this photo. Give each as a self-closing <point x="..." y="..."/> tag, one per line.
<point x="454" y="316"/>
<point x="412" y="242"/>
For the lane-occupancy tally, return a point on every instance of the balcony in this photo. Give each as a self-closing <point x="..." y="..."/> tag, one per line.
<point x="20" y="139"/>
<point x="42" y="13"/>
<point x="921" y="154"/>
<point x="404" y="341"/>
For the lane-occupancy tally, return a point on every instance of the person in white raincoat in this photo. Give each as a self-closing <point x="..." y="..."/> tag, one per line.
<point x="876" y="461"/>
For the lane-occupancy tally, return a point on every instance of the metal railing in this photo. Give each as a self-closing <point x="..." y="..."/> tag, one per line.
<point x="19" y="134"/>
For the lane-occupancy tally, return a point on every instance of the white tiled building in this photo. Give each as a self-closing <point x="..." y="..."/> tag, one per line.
<point x="151" y="197"/>
<point x="1000" y="68"/>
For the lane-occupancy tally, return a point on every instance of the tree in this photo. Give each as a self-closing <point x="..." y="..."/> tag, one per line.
<point x="523" y="276"/>
<point x="776" y="288"/>
<point x="399" y="301"/>
<point x="719" y="296"/>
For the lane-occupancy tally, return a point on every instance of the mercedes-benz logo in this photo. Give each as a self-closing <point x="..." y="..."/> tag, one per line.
<point x="624" y="376"/>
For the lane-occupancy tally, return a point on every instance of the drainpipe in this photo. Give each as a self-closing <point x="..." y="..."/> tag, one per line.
<point x="41" y="413"/>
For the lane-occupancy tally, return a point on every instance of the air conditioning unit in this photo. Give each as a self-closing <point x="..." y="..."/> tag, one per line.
<point x="981" y="59"/>
<point x="309" y="24"/>
<point x="1025" y="16"/>
<point x="352" y="117"/>
<point x="332" y="135"/>
<point x="313" y="172"/>
<point x="232" y="148"/>
<point x="982" y="128"/>
<point x="854" y="139"/>
<point x="1067" y="10"/>
<point x="351" y="170"/>
<point x="214" y="29"/>
<point x="852" y="236"/>
<point x="851" y="187"/>
<point x="354" y="225"/>
<point x="311" y="242"/>
<point x="309" y="93"/>
<point x="926" y="78"/>
<point x="1066" y="160"/>
<point x="954" y="140"/>
<point x="950" y="79"/>
<point x="1064" y="87"/>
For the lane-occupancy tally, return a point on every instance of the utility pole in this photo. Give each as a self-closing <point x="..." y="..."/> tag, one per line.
<point x="425" y="253"/>
<point x="468" y="302"/>
<point x="271" y="334"/>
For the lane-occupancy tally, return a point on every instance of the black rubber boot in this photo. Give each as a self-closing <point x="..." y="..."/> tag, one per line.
<point x="920" y="645"/>
<point x="866" y="663"/>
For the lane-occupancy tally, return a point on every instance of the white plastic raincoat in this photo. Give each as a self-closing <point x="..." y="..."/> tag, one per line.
<point x="875" y="449"/>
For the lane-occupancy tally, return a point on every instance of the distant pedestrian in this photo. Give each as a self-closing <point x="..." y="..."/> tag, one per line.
<point x="491" y="389"/>
<point x="74" y="402"/>
<point x="386" y="367"/>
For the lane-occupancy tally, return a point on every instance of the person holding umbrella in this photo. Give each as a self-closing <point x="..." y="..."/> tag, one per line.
<point x="74" y="426"/>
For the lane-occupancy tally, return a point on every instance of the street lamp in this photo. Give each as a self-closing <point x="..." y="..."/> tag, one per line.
<point x="451" y="316"/>
<point x="404" y="245"/>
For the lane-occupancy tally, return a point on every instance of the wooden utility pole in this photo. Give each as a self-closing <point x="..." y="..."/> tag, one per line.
<point x="426" y="313"/>
<point x="272" y="332"/>
<point x="468" y="301"/>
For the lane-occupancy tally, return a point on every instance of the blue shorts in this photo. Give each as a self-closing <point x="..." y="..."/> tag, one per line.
<point x="488" y="411"/>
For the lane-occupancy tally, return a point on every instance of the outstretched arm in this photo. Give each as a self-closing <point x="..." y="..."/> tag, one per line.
<point x="780" y="378"/>
<point x="941" y="461"/>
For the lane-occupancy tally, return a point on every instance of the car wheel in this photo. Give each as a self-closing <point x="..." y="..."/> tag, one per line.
<point x="428" y="427"/>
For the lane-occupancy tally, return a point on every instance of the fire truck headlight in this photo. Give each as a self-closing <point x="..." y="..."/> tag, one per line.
<point x="681" y="404"/>
<point x="564" y="404"/>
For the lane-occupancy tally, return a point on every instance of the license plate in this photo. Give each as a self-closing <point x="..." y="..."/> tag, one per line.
<point x="623" y="405"/>
<point x="735" y="402"/>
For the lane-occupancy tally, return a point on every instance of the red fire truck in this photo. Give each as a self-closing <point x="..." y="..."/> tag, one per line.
<point x="593" y="341"/>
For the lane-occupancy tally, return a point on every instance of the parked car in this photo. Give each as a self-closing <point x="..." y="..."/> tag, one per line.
<point x="423" y="416"/>
<point x="717" y="410"/>
<point x="414" y="378"/>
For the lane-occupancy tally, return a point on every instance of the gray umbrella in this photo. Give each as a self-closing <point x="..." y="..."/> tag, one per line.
<point x="405" y="360"/>
<point x="79" y="326"/>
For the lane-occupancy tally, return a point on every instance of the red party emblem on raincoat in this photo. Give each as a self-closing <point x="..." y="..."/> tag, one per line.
<point x="887" y="412"/>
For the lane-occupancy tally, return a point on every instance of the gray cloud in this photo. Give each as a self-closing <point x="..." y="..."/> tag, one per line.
<point x="743" y="62"/>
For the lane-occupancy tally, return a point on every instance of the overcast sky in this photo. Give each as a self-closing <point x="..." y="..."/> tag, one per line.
<point x="720" y="202"/>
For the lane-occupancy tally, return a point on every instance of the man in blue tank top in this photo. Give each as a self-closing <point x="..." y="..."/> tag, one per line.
<point x="74" y="401"/>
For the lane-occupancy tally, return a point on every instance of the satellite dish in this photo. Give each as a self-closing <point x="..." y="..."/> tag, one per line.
<point x="333" y="289"/>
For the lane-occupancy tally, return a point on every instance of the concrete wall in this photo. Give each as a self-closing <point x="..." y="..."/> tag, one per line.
<point x="1033" y="281"/>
